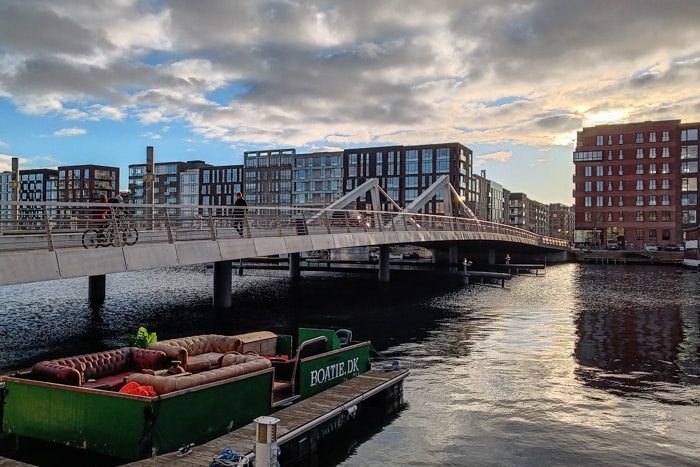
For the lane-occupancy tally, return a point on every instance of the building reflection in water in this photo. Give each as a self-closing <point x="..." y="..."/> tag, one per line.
<point x="630" y="349"/>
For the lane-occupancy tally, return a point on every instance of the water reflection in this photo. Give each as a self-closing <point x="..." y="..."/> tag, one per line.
<point x="634" y="331"/>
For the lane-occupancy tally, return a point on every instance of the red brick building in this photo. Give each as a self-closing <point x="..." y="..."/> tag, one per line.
<point x="635" y="184"/>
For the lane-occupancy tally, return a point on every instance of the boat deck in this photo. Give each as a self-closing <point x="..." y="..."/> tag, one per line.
<point x="294" y="420"/>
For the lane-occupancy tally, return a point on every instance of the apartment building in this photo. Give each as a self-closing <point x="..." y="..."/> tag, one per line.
<point x="488" y="199"/>
<point x="406" y="171"/>
<point x="635" y="183"/>
<point x="86" y="183"/>
<point x="561" y="221"/>
<point x="528" y="214"/>
<point x="268" y="176"/>
<point x="318" y="179"/>
<point x="166" y="181"/>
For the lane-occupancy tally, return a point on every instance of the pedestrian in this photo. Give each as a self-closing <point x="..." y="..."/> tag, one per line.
<point x="239" y="213"/>
<point x="507" y="258"/>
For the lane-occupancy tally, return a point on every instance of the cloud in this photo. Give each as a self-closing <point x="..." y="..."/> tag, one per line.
<point x="151" y="135"/>
<point x="70" y="132"/>
<point x="500" y="156"/>
<point x="3" y="144"/>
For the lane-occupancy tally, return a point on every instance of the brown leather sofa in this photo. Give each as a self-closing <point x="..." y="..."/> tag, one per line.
<point x="100" y="370"/>
<point x="204" y="352"/>
<point x="232" y="365"/>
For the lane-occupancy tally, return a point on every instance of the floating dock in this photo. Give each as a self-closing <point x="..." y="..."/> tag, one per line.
<point x="299" y="427"/>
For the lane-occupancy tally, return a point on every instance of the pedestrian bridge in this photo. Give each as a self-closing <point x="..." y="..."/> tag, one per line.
<point x="48" y="241"/>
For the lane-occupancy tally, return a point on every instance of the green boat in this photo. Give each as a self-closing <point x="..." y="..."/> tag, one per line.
<point x="134" y="403"/>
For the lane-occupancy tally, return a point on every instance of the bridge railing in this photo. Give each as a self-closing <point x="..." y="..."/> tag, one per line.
<point x="52" y="225"/>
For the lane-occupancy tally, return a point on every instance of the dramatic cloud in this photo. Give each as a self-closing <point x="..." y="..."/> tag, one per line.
<point x="307" y="74"/>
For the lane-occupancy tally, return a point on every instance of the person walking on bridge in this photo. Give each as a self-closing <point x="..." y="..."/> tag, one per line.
<point x="239" y="213"/>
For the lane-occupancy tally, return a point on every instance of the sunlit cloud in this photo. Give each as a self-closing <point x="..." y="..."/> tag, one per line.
<point x="70" y="132"/>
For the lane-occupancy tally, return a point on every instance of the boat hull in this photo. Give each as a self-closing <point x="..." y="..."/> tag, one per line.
<point x="135" y="427"/>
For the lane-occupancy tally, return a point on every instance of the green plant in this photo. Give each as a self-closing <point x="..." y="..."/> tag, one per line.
<point x="143" y="338"/>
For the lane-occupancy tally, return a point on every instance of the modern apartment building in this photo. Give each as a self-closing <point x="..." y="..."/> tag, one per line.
<point x="406" y="171"/>
<point x="85" y="183"/>
<point x="488" y="199"/>
<point x="561" y="221"/>
<point x="528" y="214"/>
<point x="317" y="179"/>
<point x="635" y="183"/>
<point x="268" y="176"/>
<point x="166" y="181"/>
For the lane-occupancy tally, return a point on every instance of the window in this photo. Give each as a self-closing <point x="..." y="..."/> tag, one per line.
<point x="587" y="216"/>
<point x="665" y="200"/>
<point x="599" y="185"/>
<point x="620" y="156"/>
<point x="588" y="186"/>
<point x="689" y="199"/>
<point x="639" y="216"/>
<point x="665" y="152"/>
<point x="620" y="186"/>
<point x="609" y="155"/>
<point x="610" y="202"/>
<point x="609" y="139"/>
<point x="665" y="168"/>
<point x="652" y="200"/>
<point x="610" y="186"/>
<point x="640" y="169"/>
<point x="640" y="153"/>
<point x="639" y="234"/>
<point x="640" y="185"/>
<point x="610" y="216"/>
<point x="640" y="138"/>
<point x="689" y="184"/>
<point x="652" y="169"/>
<point x="652" y="234"/>
<point x="411" y="161"/>
<point x="587" y="201"/>
<point x="665" y="136"/>
<point x="599" y="201"/>
<point x="652" y="216"/>
<point x="620" y="201"/>
<point x="599" y="171"/>
<point x="621" y="140"/>
<point x="688" y="167"/>
<point x="689" y="134"/>
<point x="599" y="140"/>
<point x="690" y="216"/>
<point x="620" y="171"/>
<point x="652" y="137"/>
<point x="588" y="171"/>
<point x="640" y="200"/>
<point x="665" y="184"/>
<point x="620" y="216"/>
<point x="652" y="184"/>
<point x="652" y="153"/>
<point x="610" y="170"/>
<point x="665" y="234"/>
<point x="665" y="216"/>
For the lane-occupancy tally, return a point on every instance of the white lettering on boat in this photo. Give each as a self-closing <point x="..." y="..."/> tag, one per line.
<point x="335" y="371"/>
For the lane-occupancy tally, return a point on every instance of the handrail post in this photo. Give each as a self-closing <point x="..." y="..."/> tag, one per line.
<point x="212" y="230"/>
<point x="47" y="226"/>
<point x="168" y="227"/>
<point x="114" y="225"/>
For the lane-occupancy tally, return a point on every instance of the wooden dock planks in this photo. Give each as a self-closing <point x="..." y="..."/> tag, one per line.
<point x="294" y="420"/>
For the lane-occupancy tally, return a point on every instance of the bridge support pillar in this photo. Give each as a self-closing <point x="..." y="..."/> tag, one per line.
<point x="384" y="269"/>
<point x="96" y="288"/>
<point x="294" y="270"/>
<point x="492" y="256"/>
<point x="222" y="284"/>
<point x="454" y="258"/>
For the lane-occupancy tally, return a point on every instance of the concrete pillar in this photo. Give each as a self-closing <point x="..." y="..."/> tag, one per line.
<point x="454" y="258"/>
<point x="492" y="256"/>
<point x="384" y="269"/>
<point x="294" y="270"/>
<point x="222" y="284"/>
<point x="96" y="288"/>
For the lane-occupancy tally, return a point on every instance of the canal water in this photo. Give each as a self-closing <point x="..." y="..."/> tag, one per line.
<point x="584" y="365"/>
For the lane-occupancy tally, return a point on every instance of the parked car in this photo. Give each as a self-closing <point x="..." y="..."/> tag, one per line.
<point x="673" y="248"/>
<point x="649" y="247"/>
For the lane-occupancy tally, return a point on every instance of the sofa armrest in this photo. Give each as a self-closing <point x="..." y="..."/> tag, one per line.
<point x="173" y="352"/>
<point x="149" y="359"/>
<point x="56" y="373"/>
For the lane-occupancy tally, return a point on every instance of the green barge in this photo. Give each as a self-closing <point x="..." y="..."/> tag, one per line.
<point x="134" y="403"/>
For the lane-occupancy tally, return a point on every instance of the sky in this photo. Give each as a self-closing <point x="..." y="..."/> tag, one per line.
<point x="97" y="81"/>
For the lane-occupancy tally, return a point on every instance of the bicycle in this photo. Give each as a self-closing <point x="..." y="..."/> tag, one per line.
<point x="119" y="228"/>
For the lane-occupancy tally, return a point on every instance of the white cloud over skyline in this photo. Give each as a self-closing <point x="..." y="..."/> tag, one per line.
<point x="507" y="79"/>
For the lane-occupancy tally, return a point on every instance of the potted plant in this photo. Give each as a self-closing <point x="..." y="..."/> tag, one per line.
<point x="143" y="338"/>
